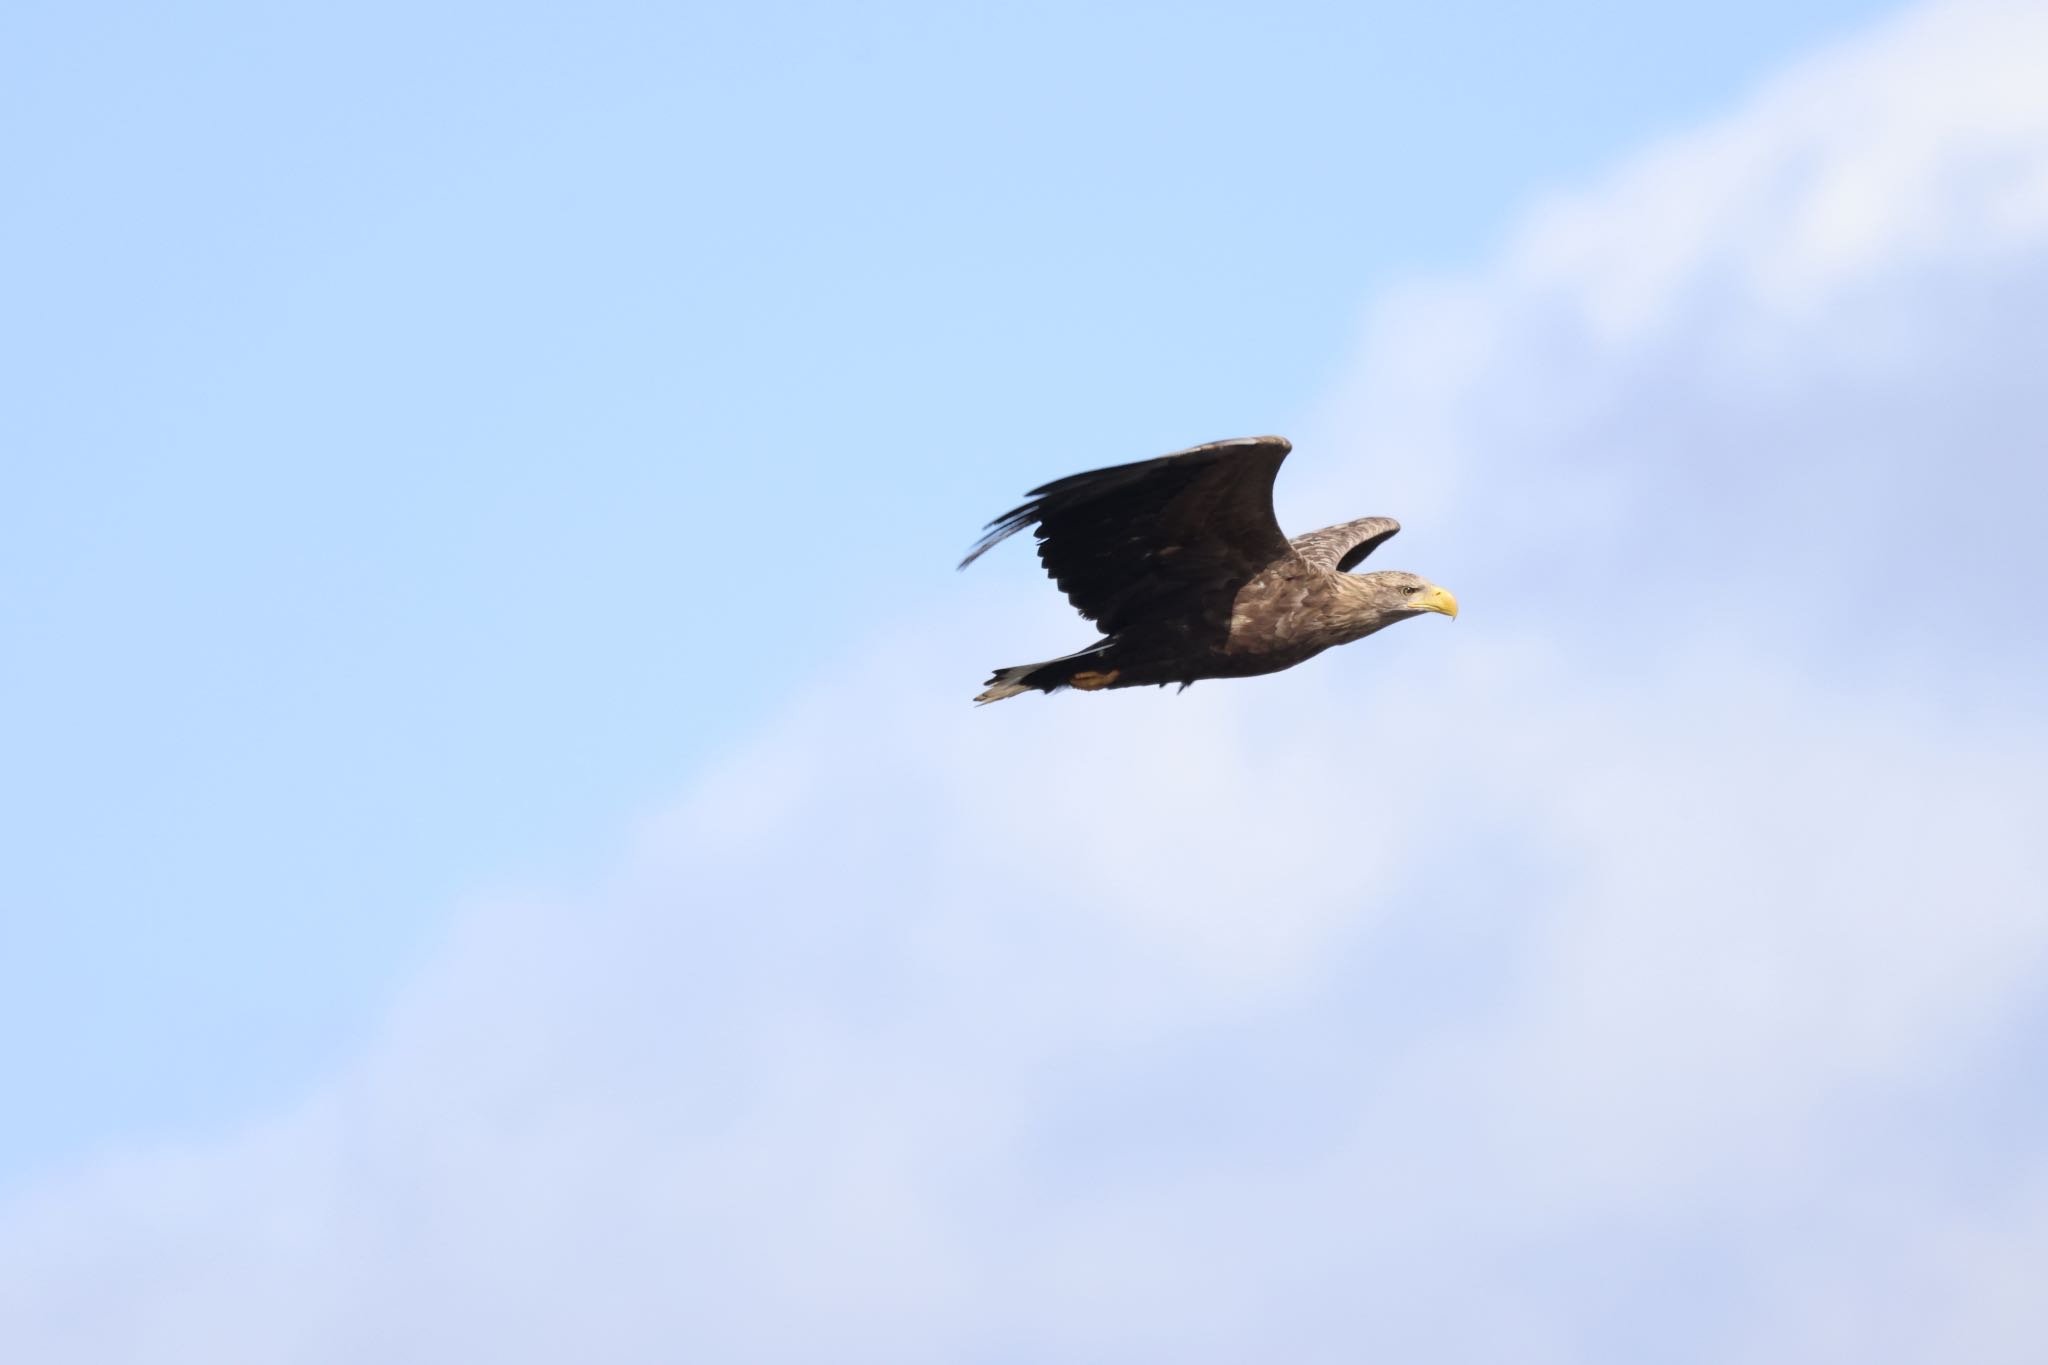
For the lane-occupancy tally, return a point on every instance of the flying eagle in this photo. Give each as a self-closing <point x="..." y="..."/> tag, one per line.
<point x="1182" y="565"/>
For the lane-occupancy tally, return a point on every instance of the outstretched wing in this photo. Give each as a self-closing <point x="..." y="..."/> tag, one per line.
<point x="1142" y="537"/>
<point x="1340" y="549"/>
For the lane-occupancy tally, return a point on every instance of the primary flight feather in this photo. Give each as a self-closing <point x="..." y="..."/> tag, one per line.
<point x="1180" y="562"/>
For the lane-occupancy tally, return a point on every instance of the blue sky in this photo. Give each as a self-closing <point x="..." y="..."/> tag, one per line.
<point x="394" y="384"/>
<point x="497" y="816"/>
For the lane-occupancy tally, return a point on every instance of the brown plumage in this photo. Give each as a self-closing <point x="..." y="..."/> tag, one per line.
<point x="1180" y="562"/>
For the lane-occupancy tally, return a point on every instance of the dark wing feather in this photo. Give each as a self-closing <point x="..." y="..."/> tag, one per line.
<point x="1157" y="536"/>
<point x="1341" y="549"/>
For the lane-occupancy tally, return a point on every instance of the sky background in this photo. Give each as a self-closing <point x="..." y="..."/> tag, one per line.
<point x="500" y="861"/>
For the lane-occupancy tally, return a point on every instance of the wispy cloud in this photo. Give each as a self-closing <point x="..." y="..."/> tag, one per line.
<point x="1647" y="967"/>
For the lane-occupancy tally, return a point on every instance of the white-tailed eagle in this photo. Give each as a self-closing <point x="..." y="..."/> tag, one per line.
<point x="1182" y="565"/>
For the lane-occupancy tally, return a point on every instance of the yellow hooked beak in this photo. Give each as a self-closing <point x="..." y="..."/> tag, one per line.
<point x="1433" y="598"/>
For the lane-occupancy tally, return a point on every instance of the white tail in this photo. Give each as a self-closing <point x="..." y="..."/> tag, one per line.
<point x="1007" y="683"/>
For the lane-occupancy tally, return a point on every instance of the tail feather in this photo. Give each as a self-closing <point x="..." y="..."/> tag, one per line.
<point x="1049" y="676"/>
<point x="1007" y="683"/>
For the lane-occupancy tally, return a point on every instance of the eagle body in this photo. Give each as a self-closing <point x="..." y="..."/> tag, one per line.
<point x="1180" y="562"/>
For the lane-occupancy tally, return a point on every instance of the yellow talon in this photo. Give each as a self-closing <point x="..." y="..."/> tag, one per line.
<point x="1092" y="681"/>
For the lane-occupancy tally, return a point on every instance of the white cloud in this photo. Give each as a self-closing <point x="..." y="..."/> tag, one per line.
<point x="1642" y="968"/>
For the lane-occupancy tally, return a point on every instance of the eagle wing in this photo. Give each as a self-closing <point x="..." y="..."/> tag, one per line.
<point x="1165" y="535"/>
<point x="1340" y="549"/>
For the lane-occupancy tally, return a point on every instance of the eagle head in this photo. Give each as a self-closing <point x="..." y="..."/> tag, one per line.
<point x="1401" y="594"/>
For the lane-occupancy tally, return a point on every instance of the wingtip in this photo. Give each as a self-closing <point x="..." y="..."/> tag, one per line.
<point x="977" y="552"/>
<point x="1000" y="530"/>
